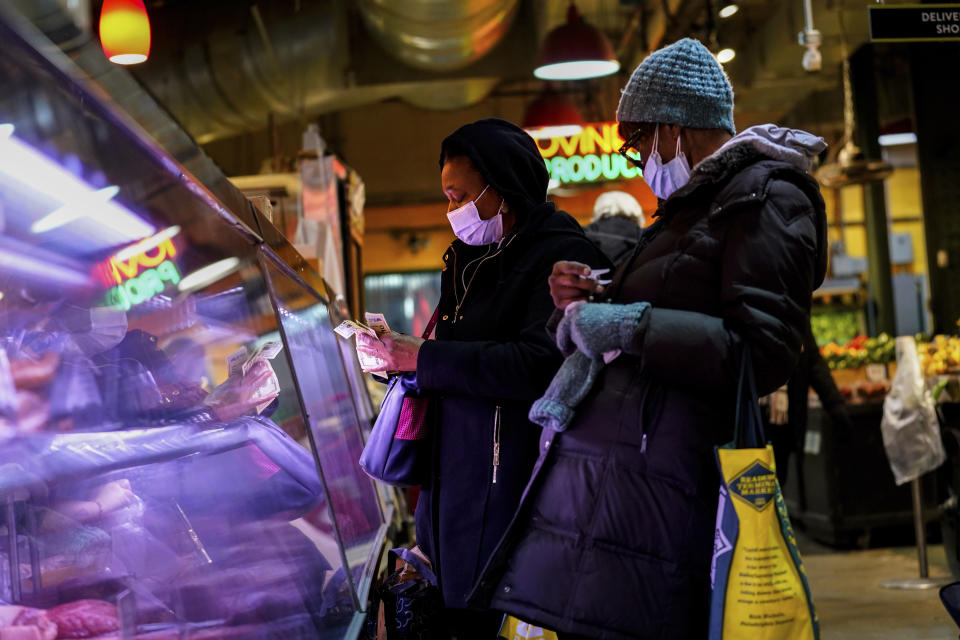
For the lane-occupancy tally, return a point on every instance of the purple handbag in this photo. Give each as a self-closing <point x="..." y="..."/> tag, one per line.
<point x="398" y="452"/>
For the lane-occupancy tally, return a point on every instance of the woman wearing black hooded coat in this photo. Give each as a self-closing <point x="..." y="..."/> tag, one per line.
<point x="491" y="357"/>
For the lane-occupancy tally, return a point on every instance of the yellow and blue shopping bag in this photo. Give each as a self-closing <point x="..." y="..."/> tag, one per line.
<point x="515" y="629"/>
<point x="760" y="590"/>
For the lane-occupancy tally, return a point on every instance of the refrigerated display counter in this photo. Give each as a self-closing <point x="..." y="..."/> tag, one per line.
<point x="179" y="425"/>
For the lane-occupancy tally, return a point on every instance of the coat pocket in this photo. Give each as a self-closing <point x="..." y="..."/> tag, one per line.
<point x="631" y="428"/>
<point x="641" y="412"/>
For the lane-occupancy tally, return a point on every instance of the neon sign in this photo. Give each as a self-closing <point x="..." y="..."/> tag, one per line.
<point x="139" y="272"/>
<point x="589" y="156"/>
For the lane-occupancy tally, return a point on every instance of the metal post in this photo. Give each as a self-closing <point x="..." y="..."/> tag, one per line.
<point x="937" y="125"/>
<point x="924" y="581"/>
<point x="919" y="528"/>
<point x="864" y="89"/>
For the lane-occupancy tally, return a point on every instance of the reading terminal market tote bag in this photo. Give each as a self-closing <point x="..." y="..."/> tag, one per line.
<point x="760" y="590"/>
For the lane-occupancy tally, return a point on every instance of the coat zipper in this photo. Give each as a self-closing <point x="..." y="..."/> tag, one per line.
<point x="496" y="442"/>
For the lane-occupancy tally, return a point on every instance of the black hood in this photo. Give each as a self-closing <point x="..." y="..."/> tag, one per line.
<point x="506" y="156"/>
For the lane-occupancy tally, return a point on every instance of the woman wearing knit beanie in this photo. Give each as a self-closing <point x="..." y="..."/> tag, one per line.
<point x="614" y="535"/>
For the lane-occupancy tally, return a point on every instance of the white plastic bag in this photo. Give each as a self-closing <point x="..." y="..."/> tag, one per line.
<point x="911" y="432"/>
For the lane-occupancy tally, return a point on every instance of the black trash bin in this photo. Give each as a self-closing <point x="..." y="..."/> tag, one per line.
<point x="949" y="476"/>
<point x="841" y="487"/>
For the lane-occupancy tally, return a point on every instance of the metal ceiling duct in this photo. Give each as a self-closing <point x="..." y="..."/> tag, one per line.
<point x="273" y="59"/>
<point x="292" y="60"/>
<point x="438" y="35"/>
<point x="295" y="62"/>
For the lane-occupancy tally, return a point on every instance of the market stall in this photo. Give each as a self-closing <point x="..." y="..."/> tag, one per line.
<point x="844" y="488"/>
<point x="180" y="427"/>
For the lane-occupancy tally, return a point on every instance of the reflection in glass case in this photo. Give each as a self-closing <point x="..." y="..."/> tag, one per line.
<point x="178" y="428"/>
<point x="333" y="419"/>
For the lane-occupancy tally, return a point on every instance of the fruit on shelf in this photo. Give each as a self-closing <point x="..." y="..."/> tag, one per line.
<point x="939" y="356"/>
<point x="838" y="326"/>
<point x="859" y="351"/>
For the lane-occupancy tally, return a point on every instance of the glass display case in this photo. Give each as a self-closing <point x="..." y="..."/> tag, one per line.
<point x="179" y="425"/>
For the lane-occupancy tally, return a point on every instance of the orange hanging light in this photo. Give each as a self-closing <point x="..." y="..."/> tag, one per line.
<point x="125" y="31"/>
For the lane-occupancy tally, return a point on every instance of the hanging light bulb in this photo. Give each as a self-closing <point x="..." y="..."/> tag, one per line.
<point x="729" y="10"/>
<point x="726" y="55"/>
<point x="575" y="51"/>
<point x="850" y="165"/>
<point x="125" y="31"/>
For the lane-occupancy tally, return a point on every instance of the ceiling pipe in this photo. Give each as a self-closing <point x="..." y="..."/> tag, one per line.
<point x="296" y="63"/>
<point x="293" y="62"/>
<point x="274" y="59"/>
<point x="438" y="35"/>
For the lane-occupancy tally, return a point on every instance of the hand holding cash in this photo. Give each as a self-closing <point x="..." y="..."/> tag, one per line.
<point x="251" y="384"/>
<point x="572" y="281"/>
<point x="349" y="328"/>
<point x="379" y="349"/>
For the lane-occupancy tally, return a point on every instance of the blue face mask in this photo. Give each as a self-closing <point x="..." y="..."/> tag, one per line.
<point x="664" y="179"/>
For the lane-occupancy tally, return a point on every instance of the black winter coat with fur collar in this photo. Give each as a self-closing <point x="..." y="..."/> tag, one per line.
<point x="614" y="535"/>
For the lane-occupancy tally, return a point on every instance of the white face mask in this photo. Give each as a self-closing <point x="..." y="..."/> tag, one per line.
<point x="471" y="228"/>
<point x="664" y="179"/>
<point x="107" y="329"/>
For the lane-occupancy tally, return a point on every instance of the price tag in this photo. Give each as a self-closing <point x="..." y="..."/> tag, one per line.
<point x="876" y="372"/>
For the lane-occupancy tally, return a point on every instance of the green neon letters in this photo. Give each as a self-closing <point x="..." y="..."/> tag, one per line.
<point x="590" y="168"/>
<point x="143" y="287"/>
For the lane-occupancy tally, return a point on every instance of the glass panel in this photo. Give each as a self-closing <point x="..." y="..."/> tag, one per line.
<point x="154" y="474"/>
<point x="408" y="299"/>
<point x="332" y="417"/>
<point x="355" y="376"/>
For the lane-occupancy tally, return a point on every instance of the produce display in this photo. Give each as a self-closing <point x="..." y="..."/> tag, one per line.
<point x="859" y="351"/>
<point x="837" y="326"/>
<point x="939" y="356"/>
<point x="939" y="359"/>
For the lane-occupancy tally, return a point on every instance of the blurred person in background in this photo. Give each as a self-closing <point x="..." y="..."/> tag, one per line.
<point x="786" y="410"/>
<point x="616" y="224"/>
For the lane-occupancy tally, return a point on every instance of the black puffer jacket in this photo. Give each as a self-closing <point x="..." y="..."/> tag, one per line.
<point x="614" y="535"/>
<point x="491" y="359"/>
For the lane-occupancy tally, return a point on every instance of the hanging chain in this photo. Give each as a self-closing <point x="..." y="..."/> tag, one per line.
<point x="847" y="85"/>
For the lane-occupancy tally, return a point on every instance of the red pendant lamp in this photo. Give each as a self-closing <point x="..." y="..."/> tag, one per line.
<point x="552" y="115"/>
<point x="125" y="31"/>
<point x="575" y="51"/>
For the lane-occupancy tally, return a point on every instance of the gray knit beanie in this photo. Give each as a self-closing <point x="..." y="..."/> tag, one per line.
<point x="680" y="84"/>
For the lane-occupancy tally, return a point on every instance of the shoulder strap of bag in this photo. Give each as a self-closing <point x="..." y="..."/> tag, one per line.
<point x="748" y="425"/>
<point x="432" y="323"/>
